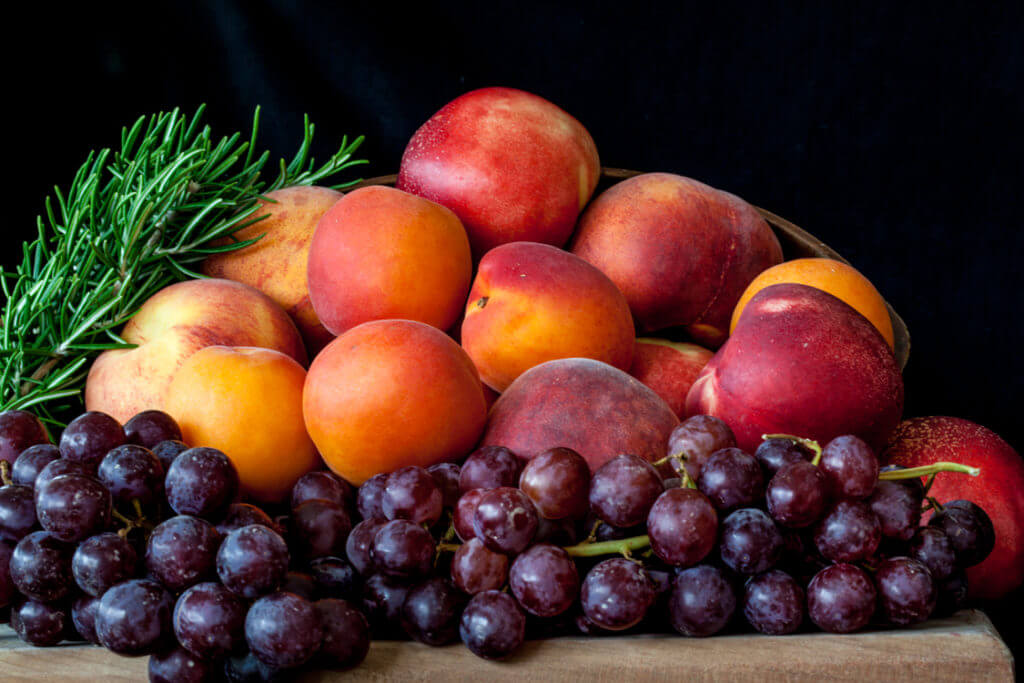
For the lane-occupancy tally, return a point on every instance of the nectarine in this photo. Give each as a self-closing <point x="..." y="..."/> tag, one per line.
<point x="669" y="368"/>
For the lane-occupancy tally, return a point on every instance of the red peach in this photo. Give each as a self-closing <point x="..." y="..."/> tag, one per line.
<point x="669" y="368"/>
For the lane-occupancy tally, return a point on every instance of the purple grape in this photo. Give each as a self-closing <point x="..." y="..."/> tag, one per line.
<point x="702" y="601"/>
<point x="83" y="617"/>
<point x="357" y="546"/>
<point x="556" y="531"/>
<point x="182" y="551"/>
<point x="841" y="598"/>
<point x="558" y="483"/>
<point x="346" y="634"/>
<point x="209" y="621"/>
<point x="319" y="528"/>
<point x="41" y="567"/>
<point x="89" y="437"/>
<point x="476" y="569"/>
<point x="430" y="613"/>
<point x="544" y="580"/>
<point x="244" y="514"/>
<point x="906" y="590"/>
<point x="178" y="665"/>
<point x="335" y="577"/>
<point x="797" y="495"/>
<point x="39" y="623"/>
<point x="300" y="584"/>
<point x="134" y="617"/>
<point x="31" y="461"/>
<point x="73" y="507"/>
<point x="248" y="669"/>
<point x="403" y="549"/>
<point x="102" y="561"/>
<point x="283" y="630"/>
<point x="931" y="547"/>
<point x="696" y="438"/>
<point x="322" y="486"/>
<point x="773" y="603"/>
<point x="489" y="467"/>
<point x="446" y="475"/>
<point x="252" y="561"/>
<point x="849" y="532"/>
<point x="616" y="594"/>
<point x="19" y="429"/>
<point x="411" y="493"/>
<point x="750" y="542"/>
<point x="8" y="591"/>
<point x="492" y="626"/>
<point x="774" y="454"/>
<point x="952" y="594"/>
<point x="505" y="520"/>
<point x="682" y="526"/>
<point x="969" y="530"/>
<point x="383" y="597"/>
<point x="623" y="490"/>
<point x="167" y="451"/>
<point x="465" y="511"/>
<point x="731" y="479"/>
<point x="17" y="512"/>
<point x="850" y="466"/>
<point x="58" y="468"/>
<point x="201" y="482"/>
<point x="132" y="473"/>
<point x="369" y="497"/>
<point x="898" y="508"/>
<point x="151" y="427"/>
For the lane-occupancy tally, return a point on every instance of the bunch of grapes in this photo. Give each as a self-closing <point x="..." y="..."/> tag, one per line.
<point x="127" y="538"/>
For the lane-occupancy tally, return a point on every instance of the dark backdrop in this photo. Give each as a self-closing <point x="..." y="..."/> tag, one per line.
<point x="891" y="132"/>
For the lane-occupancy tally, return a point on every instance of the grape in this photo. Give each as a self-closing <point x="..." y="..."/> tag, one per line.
<point x="558" y="483"/>
<point x="544" y="580"/>
<point x="179" y="666"/>
<point x="319" y="528"/>
<point x="774" y="454"/>
<point x="952" y="594"/>
<point x="849" y="532"/>
<point x="476" y="569"/>
<point x="182" y="551"/>
<point x="430" y="613"/>
<point x="696" y="438"/>
<point x="58" y="468"/>
<point x="906" y="590"/>
<point x="252" y="561"/>
<point x="850" y="466"/>
<point x="101" y="561"/>
<point x="40" y="624"/>
<point x="167" y="451"/>
<point x="682" y="526"/>
<point x="8" y="590"/>
<point x="731" y="479"/>
<point x="73" y="506"/>
<point x="616" y="594"/>
<point x="31" y="461"/>
<point x="773" y="603"/>
<point x="132" y="473"/>
<point x="300" y="584"/>
<point x="383" y="597"/>
<point x="750" y="542"/>
<point x="283" y="630"/>
<point x="702" y="601"/>
<point x="19" y="429"/>
<point x="403" y="549"/>
<point x="797" y="495"/>
<point x="969" y="529"/>
<point x="898" y="508"/>
<point x="841" y="598"/>
<point x="17" y="512"/>
<point x="323" y="486"/>
<point x="134" y="617"/>
<point x="201" y="482"/>
<point x="446" y="475"/>
<point x="151" y="427"/>
<point x="465" y="511"/>
<point x="368" y="498"/>
<point x="357" y="546"/>
<point x="83" y="617"/>
<point x="244" y="514"/>
<point x="505" y="520"/>
<point x="489" y="467"/>
<point x="623" y="490"/>
<point x="411" y="493"/>
<point x="346" y="634"/>
<point x="492" y="626"/>
<point x="248" y="669"/>
<point x="41" y="567"/>
<point x="209" y="621"/>
<point x="556" y="531"/>
<point x="335" y="578"/>
<point x="931" y="547"/>
<point x="89" y="436"/>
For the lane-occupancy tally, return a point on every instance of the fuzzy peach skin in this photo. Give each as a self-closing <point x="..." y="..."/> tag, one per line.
<point x="392" y="393"/>
<point x="681" y="251"/>
<point x="531" y="303"/>
<point x="997" y="489"/>
<point x="802" y="362"/>
<point x="173" y="324"/>
<point x="511" y="165"/>
<point x="276" y="264"/>
<point x="586" y="405"/>
<point x="381" y="253"/>
<point x="669" y="368"/>
<point x="247" y="402"/>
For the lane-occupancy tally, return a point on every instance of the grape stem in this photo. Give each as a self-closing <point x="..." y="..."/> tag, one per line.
<point x="620" y="547"/>
<point x="809" y="443"/>
<point x="5" y="472"/>
<point x="929" y="471"/>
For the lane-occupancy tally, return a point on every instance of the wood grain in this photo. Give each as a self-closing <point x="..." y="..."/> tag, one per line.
<point x="965" y="647"/>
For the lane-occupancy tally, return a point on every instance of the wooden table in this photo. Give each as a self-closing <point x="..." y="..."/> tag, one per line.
<point x="965" y="647"/>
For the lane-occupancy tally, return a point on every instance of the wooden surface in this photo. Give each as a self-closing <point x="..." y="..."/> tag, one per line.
<point x="796" y="243"/>
<point x="963" y="648"/>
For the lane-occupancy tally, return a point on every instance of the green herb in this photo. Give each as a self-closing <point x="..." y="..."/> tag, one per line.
<point x="133" y="221"/>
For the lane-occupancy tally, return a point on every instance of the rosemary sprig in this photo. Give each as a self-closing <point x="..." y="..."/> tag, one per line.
<point x="133" y="220"/>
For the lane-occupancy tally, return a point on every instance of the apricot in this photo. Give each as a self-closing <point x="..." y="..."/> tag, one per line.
<point x="246" y="402"/>
<point x="392" y="393"/>
<point x="532" y="303"/>
<point x="381" y="253"/>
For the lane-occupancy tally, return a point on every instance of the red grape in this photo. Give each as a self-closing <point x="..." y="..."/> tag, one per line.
<point x="252" y="561"/>
<point x="682" y="526"/>
<point x="616" y="594"/>
<point x="83" y="617"/>
<point x="702" y="601"/>
<point x="898" y="508"/>
<point x="411" y="493"/>
<point x="952" y="594"/>
<point x="849" y="532"/>
<point x="476" y="569"/>
<point x="774" y="454"/>
<point x="323" y="486"/>
<point x="178" y="665"/>
<point x="731" y="479"/>
<point x="750" y="542"/>
<point x="346" y="634"/>
<point x="182" y="551"/>
<point x="167" y="451"/>
<point x="931" y="547"/>
<point x="31" y="461"/>
<point x="431" y="611"/>
<point x="244" y="514"/>
<point x="383" y="597"/>
<point x="151" y="427"/>
<point x="201" y="482"/>
<point x="319" y="528"/>
<point x="209" y="621"/>
<point x="797" y="495"/>
<point x="505" y="520"/>
<point x="335" y="577"/>
<point x="906" y="590"/>
<point x="558" y="483"/>
<point x="283" y="630"/>
<point x="850" y="466"/>
<point x="39" y="623"/>
<point x="41" y="567"/>
<point x="89" y="436"/>
<point x="841" y="598"/>
<point x="465" y="511"/>
<point x="134" y="617"/>
<point x="73" y="506"/>
<point x="132" y="473"/>
<point x="19" y="429"/>
<point x="357" y="546"/>
<point x="544" y="580"/>
<point x="623" y="490"/>
<point x="773" y="603"/>
<point x="492" y="626"/>
<point x="58" y="468"/>
<point x="696" y="438"/>
<point x="369" y="497"/>
<point x="489" y="467"/>
<point x="17" y="512"/>
<point x="968" y="528"/>
<point x="446" y="476"/>
<point x="403" y="549"/>
<point x="102" y="561"/>
<point x="300" y="584"/>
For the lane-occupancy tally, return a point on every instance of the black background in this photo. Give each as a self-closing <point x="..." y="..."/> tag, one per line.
<point x="892" y="132"/>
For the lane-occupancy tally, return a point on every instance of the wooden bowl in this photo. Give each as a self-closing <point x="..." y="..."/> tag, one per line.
<point x="796" y="243"/>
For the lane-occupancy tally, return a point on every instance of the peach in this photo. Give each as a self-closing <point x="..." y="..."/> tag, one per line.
<point x="586" y="405"/>
<point x="246" y="402"/>
<point x="276" y="264"/>
<point x="669" y="368"/>
<point x="682" y="252"/>
<point x="924" y="440"/>
<point x="511" y="165"/>
<point x="532" y="303"/>
<point x="381" y="253"/>
<point x="173" y="324"/>
<point x="391" y="393"/>
<point x="802" y="362"/>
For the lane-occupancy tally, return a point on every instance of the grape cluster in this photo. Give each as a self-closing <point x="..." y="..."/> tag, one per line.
<point x="128" y="538"/>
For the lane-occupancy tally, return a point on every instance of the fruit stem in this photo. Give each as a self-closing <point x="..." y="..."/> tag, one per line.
<point x="929" y="470"/>
<point x="5" y="472"/>
<point x="620" y="547"/>
<point x="138" y="510"/>
<point x="592" y="536"/>
<point x="809" y="443"/>
<point x="448" y="547"/>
